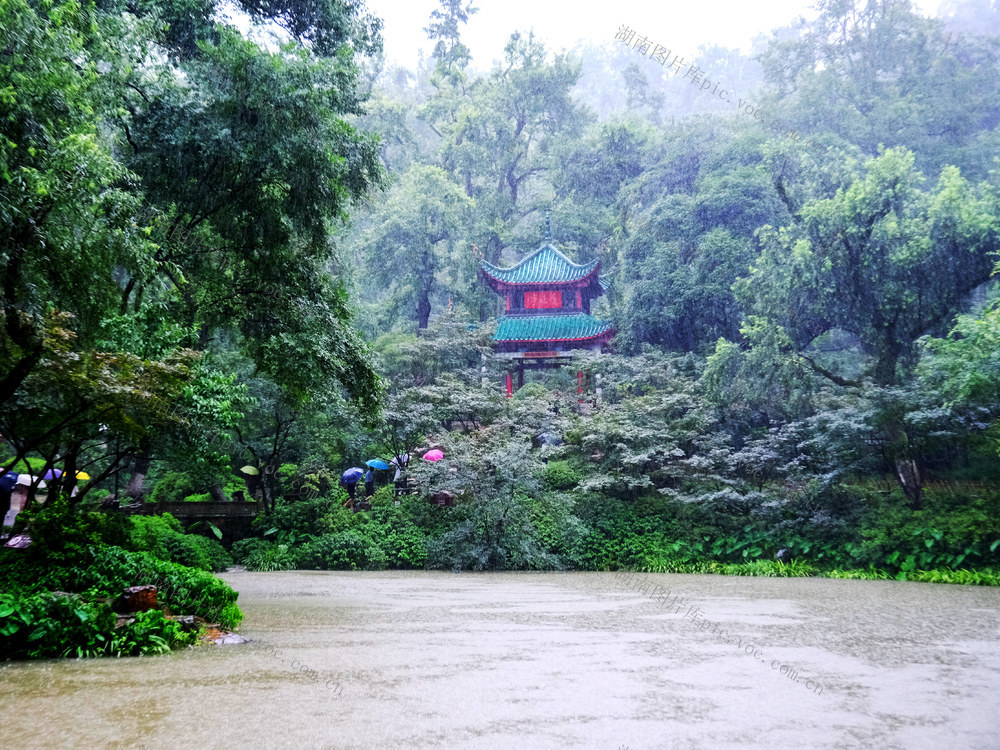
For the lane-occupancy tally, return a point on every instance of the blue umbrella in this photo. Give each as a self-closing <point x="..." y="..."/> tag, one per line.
<point x="52" y="474"/>
<point x="7" y="481"/>
<point x="377" y="463"/>
<point x="352" y="475"/>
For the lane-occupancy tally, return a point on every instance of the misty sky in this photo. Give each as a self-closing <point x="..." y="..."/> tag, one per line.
<point x="560" y="23"/>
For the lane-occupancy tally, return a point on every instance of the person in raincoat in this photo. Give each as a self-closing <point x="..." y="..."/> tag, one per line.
<point x="369" y="483"/>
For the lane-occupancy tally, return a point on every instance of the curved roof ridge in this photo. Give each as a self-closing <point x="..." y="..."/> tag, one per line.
<point x="538" y="328"/>
<point x="533" y="268"/>
<point x="561" y="254"/>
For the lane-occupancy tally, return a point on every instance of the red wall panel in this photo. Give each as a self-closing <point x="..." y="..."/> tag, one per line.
<point x="542" y="300"/>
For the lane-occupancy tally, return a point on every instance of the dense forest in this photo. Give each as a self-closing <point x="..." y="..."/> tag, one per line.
<point x="243" y="257"/>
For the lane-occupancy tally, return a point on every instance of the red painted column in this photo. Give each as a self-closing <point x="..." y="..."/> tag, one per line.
<point x="510" y="386"/>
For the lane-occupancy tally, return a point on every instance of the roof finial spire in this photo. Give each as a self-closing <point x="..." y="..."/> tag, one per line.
<point x="548" y="225"/>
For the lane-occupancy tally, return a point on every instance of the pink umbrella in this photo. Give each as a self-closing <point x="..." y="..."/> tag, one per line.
<point x="434" y="455"/>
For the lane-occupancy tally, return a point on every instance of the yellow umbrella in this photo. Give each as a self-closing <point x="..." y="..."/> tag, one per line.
<point x="82" y="475"/>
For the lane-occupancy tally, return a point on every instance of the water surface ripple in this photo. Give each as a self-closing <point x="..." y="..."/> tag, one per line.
<point x="544" y="660"/>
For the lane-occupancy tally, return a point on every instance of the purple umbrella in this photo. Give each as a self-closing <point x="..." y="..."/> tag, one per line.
<point x="52" y="474"/>
<point x="352" y="475"/>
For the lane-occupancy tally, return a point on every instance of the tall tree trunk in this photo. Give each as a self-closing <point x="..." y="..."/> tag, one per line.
<point x="898" y="447"/>
<point x="907" y="471"/>
<point x="424" y="284"/>
<point x="423" y="309"/>
<point x="217" y="494"/>
<point x="20" y="330"/>
<point x="910" y="479"/>
<point x="885" y="368"/>
<point x="268" y="496"/>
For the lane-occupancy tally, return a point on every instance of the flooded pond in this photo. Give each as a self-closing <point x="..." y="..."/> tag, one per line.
<point x="547" y="660"/>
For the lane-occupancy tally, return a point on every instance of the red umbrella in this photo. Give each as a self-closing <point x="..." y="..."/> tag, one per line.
<point x="434" y="455"/>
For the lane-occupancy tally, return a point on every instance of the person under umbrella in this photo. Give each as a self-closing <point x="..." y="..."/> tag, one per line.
<point x="374" y="463"/>
<point x="399" y="462"/>
<point x="349" y="480"/>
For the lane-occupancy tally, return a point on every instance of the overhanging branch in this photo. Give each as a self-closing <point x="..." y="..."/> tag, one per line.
<point x="820" y="370"/>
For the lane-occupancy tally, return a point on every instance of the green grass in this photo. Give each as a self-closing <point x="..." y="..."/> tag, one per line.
<point x="795" y="569"/>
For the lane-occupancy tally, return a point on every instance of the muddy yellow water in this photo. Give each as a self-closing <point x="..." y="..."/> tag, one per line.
<point x="577" y="660"/>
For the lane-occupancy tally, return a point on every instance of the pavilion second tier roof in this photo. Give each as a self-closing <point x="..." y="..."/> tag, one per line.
<point x="544" y="266"/>
<point x="537" y="328"/>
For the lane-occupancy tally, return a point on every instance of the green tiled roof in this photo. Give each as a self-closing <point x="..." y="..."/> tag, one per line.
<point x="549" y="328"/>
<point x="544" y="266"/>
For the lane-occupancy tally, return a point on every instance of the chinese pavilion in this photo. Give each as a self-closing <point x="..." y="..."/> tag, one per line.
<point x="546" y="310"/>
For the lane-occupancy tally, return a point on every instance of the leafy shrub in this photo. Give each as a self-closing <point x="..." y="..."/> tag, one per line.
<point x="150" y="633"/>
<point x="97" y="496"/>
<point x="150" y="534"/>
<point x="230" y="616"/>
<point x="184" y="590"/>
<point x="215" y="553"/>
<point x="557" y="529"/>
<point x="947" y="533"/>
<point x="493" y="533"/>
<point x="295" y="517"/>
<point x="346" y="550"/>
<point x="41" y="625"/>
<point x="44" y="624"/>
<point x="200" y="497"/>
<point x="162" y="537"/>
<point x="302" y="483"/>
<point x="965" y="577"/>
<point x="623" y="542"/>
<point x="405" y="548"/>
<point x="149" y="530"/>
<point x="232" y="486"/>
<point x="946" y="575"/>
<point x="560" y="475"/>
<point x="271" y="556"/>
<point x="243" y="548"/>
<point x="389" y="527"/>
<point x="62" y="534"/>
<point x="375" y="558"/>
<point x="759" y="568"/>
<point x="184" y="550"/>
<point x="110" y="569"/>
<point x="173" y="487"/>
<point x="531" y="391"/>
